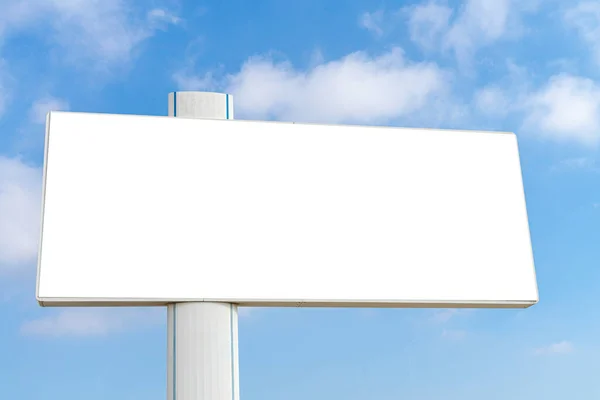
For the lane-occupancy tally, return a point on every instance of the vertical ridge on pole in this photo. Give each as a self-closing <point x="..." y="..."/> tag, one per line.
<point x="202" y="337"/>
<point x="233" y="374"/>
<point x="174" y="343"/>
<point x="226" y="106"/>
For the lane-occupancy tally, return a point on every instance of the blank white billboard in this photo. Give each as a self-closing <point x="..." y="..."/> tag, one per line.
<point x="152" y="210"/>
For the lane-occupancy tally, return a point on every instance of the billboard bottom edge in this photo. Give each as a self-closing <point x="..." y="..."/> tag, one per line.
<point x="134" y="302"/>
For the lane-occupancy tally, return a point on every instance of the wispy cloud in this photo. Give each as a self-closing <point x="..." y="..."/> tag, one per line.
<point x="454" y="334"/>
<point x="427" y="22"/>
<point x="477" y="24"/>
<point x="158" y="15"/>
<point x="372" y="21"/>
<point x="41" y="107"/>
<point x="5" y="86"/>
<point x="31" y="132"/>
<point x="20" y="203"/>
<point x="564" y="347"/>
<point x="493" y="100"/>
<point x="105" y="32"/>
<point x="498" y="99"/>
<point x="93" y="321"/>
<point x="584" y="17"/>
<point x="245" y="312"/>
<point x="580" y="163"/>
<point x="186" y="79"/>
<point x="445" y="315"/>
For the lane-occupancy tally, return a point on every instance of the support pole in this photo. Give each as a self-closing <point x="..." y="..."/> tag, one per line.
<point x="202" y="356"/>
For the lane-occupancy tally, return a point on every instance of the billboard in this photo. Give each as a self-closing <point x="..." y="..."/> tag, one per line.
<point x="141" y="210"/>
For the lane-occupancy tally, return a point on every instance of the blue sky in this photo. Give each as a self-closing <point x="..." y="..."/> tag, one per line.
<point x="527" y="66"/>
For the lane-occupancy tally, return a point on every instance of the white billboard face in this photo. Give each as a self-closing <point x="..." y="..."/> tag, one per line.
<point x="152" y="210"/>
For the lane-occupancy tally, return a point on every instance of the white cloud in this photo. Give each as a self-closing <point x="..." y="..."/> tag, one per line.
<point x="567" y="108"/>
<point x="585" y="18"/>
<point x="427" y="22"/>
<point x="45" y="104"/>
<point x="564" y="109"/>
<point x="20" y="205"/>
<point x="103" y="31"/>
<point x="93" y="321"/>
<point x="372" y="21"/>
<point x="357" y="88"/>
<point x="564" y="347"/>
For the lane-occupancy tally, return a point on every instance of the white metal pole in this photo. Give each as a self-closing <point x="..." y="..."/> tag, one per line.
<point x="202" y="356"/>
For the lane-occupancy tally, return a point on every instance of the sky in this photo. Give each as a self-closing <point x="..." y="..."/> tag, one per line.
<point x="526" y="66"/>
